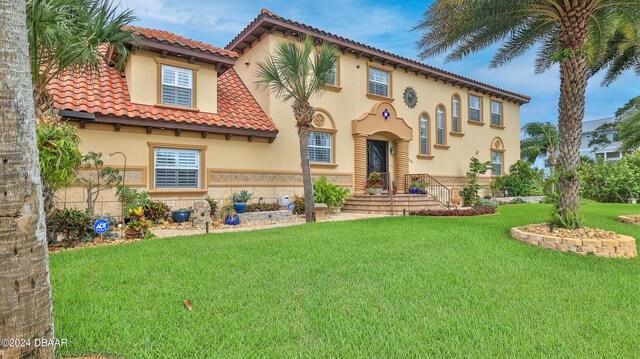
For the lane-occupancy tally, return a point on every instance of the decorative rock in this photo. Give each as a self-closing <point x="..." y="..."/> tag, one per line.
<point x="630" y="219"/>
<point x="201" y="212"/>
<point x="590" y="241"/>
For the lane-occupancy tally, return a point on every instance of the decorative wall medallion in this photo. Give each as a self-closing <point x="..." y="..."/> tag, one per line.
<point x="410" y="97"/>
<point x="318" y="120"/>
<point x="386" y="114"/>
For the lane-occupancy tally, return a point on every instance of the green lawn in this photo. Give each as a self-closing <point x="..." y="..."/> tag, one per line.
<point x="390" y="287"/>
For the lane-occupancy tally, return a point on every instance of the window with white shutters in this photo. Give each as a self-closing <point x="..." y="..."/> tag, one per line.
<point x="176" y="168"/>
<point x="496" y="113"/>
<point x="424" y="135"/>
<point x="378" y="82"/>
<point x="455" y="112"/>
<point x="440" y="125"/>
<point x="319" y="147"/>
<point x="496" y="163"/>
<point x="177" y="86"/>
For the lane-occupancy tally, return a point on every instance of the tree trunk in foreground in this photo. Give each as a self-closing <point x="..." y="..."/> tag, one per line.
<point x="307" y="181"/>
<point x="25" y="290"/>
<point x="573" y="33"/>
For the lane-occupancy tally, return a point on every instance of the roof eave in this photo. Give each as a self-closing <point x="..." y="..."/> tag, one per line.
<point x="270" y="23"/>
<point x="225" y="62"/>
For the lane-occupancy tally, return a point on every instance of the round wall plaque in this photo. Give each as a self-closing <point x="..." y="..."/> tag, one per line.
<point x="410" y="97"/>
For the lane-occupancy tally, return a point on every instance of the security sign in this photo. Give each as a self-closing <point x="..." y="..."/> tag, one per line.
<point x="101" y="226"/>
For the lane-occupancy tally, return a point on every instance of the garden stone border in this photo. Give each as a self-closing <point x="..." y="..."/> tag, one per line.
<point x="622" y="247"/>
<point x="628" y="219"/>
<point x="284" y="215"/>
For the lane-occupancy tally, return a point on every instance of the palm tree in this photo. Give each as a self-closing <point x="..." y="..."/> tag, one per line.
<point x="541" y="141"/>
<point x="575" y="33"/>
<point x="71" y="35"/>
<point x="25" y="290"/>
<point x="297" y="71"/>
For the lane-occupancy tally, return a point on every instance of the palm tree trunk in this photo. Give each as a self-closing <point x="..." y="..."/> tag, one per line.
<point x="307" y="181"/>
<point x="574" y="28"/>
<point x="25" y="290"/>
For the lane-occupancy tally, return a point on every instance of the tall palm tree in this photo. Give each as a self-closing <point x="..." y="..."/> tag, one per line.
<point x="541" y="141"/>
<point x="70" y="35"/>
<point x="296" y="71"/>
<point x="25" y="290"/>
<point x="575" y="33"/>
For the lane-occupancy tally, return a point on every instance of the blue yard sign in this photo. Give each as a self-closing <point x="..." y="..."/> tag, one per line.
<point x="101" y="226"/>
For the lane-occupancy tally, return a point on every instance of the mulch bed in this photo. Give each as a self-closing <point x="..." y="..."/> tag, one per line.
<point x="580" y="233"/>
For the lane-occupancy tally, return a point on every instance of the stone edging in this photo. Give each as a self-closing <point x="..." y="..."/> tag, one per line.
<point x="622" y="247"/>
<point x="629" y="220"/>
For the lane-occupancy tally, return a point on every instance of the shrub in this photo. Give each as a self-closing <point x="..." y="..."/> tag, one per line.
<point x="522" y="180"/>
<point x="330" y="194"/>
<point x="298" y="203"/>
<point x="132" y="198"/>
<point x="486" y="203"/>
<point x="456" y="212"/>
<point x="157" y="211"/>
<point x="612" y="181"/>
<point x="213" y="204"/>
<point x="243" y="197"/>
<point x="262" y="207"/>
<point x="74" y="225"/>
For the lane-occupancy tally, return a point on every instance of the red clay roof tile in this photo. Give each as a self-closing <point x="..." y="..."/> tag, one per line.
<point x="173" y="39"/>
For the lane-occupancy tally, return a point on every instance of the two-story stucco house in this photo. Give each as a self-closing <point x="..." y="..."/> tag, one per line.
<point x="192" y="122"/>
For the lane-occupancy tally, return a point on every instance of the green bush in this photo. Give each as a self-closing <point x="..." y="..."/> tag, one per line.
<point x="132" y="198"/>
<point x="522" y="180"/>
<point x="611" y="181"/>
<point x="74" y="225"/>
<point x="469" y="193"/>
<point x="328" y="193"/>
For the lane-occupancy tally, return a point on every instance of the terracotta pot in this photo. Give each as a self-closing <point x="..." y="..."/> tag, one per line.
<point x="132" y="233"/>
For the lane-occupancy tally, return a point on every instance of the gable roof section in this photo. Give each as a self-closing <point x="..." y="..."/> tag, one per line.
<point x="269" y="22"/>
<point x="164" y="41"/>
<point x="106" y="96"/>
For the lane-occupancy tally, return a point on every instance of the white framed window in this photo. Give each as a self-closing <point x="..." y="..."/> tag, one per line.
<point x="455" y="113"/>
<point x="474" y="108"/>
<point x="496" y="113"/>
<point x="319" y="147"/>
<point x="440" y="125"/>
<point x="332" y="78"/>
<point x="424" y="135"/>
<point x="174" y="168"/>
<point x="378" y="82"/>
<point x="177" y="86"/>
<point x="496" y="163"/>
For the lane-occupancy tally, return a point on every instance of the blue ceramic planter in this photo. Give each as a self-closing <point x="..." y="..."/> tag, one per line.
<point x="240" y="207"/>
<point x="233" y="221"/>
<point x="423" y="191"/>
<point x="413" y="190"/>
<point x="180" y="217"/>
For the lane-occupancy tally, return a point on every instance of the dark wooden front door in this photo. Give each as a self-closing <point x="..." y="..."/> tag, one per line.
<point x="377" y="156"/>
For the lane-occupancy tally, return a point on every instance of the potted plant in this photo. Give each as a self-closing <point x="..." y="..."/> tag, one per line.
<point x="181" y="215"/>
<point x="374" y="184"/>
<point x="229" y="215"/>
<point x="240" y="200"/>
<point x="138" y="225"/>
<point x="423" y="187"/>
<point x="414" y="186"/>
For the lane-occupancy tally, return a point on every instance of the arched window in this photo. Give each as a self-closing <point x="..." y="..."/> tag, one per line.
<point x="424" y="134"/>
<point x="441" y="135"/>
<point x="497" y="157"/>
<point x="455" y="114"/>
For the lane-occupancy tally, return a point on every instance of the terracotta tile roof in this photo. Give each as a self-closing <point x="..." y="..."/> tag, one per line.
<point x="266" y="16"/>
<point x="107" y="94"/>
<point x="173" y="39"/>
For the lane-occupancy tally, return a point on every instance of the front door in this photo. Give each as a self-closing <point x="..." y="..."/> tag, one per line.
<point x="377" y="156"/>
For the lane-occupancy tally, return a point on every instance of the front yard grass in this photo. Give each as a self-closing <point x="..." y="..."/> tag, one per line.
<point x="388" y="287"/>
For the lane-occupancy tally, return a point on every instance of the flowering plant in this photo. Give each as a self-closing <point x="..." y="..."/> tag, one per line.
<point x="374" y="180"/>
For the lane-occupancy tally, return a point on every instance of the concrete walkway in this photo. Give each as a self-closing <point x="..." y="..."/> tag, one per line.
<point x="243" y="227"/>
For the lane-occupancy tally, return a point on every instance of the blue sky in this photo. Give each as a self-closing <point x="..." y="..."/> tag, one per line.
<point x="386" y="25"/>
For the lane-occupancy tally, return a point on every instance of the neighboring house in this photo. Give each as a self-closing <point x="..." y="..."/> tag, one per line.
<point x="609" y="153"/>
<point x="192" y="123"/>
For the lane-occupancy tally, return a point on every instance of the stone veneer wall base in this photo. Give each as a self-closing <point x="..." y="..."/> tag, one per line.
<point x="622" y="247"/>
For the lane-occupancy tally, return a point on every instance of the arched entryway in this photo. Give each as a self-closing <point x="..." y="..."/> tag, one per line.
<point x="380" y="138"/>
